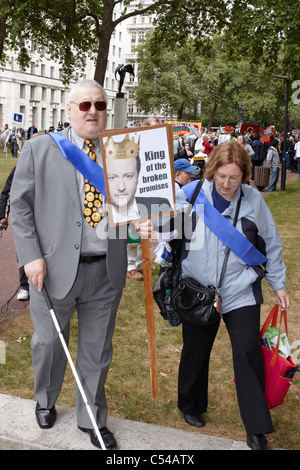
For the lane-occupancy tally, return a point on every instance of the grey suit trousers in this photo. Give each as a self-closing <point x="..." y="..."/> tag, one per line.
<point x="96" y="303"/>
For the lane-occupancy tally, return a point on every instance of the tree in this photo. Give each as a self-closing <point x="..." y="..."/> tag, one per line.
<point x="178" y="80"/>
<point x="69" y="29"/>
<point x="66" y="29"/>
<point x="166" y="80"/>
<point x="267" y="31"/>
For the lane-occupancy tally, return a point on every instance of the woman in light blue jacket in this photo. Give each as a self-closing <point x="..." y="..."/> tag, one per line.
<point x="226" y="173"/>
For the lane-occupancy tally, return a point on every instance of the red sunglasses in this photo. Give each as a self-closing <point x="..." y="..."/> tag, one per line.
<point x="86" y="105"/>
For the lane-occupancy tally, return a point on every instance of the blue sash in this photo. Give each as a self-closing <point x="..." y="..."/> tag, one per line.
<point x="223" y="229"/>
<point x="87" y="167"/>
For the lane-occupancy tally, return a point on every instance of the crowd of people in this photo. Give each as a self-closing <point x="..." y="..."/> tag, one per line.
<point x="269" y="149"/>
<point x="15" y="137"/>
<point x="58" y="245"/>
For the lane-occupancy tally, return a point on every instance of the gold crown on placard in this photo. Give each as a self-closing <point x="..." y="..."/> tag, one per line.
<point x="128" y="148"/>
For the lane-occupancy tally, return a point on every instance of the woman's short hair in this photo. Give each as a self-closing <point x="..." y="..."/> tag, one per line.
<point x="226" y="153"/>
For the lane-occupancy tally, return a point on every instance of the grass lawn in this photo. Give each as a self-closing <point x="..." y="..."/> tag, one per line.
<point x="128" y="385"/>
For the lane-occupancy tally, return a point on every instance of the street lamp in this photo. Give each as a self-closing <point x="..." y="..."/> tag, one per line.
<point x="283" y="168"/>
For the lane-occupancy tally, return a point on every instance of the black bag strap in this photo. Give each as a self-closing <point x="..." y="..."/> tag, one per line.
<point x="176" y="244"/>
<point x="195" y="194"/>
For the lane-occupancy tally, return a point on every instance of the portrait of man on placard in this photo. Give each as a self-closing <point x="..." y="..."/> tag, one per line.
<point x="128" y="166"/>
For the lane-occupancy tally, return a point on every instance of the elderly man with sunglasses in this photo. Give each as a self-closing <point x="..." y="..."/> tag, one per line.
<point x="58" y="245"/>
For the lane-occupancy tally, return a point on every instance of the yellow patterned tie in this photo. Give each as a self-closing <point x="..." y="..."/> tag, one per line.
<point x="93" y="211"/>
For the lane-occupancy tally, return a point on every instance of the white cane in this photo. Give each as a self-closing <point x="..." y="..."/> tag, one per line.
<point x="63" y="342"/>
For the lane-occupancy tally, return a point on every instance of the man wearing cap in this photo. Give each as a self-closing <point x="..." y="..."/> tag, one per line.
<point x="54" y="220"/>
<point x="183" y="172"/>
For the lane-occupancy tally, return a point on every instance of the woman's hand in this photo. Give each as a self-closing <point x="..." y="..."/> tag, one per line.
<point x="283" y="298"/>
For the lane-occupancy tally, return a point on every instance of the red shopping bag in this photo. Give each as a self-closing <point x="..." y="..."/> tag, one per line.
<point x="277" y="368"/>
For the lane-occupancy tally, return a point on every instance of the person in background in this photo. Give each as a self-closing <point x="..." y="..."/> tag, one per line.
<point x="3" y="137"/>
<point x="31" y="130"/>
<point x="297" y="156"/>
<point x="183" y="172"/>
<point x="273" y="160"/>
<point x="257" y="157"/>
<point x="13" y="139"/>
<point x="4" y="214"/>
<point x="208" y="147"/>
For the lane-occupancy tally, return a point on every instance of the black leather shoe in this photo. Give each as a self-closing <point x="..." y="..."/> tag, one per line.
<point x="107" y="436"/>
<point x="257" y="442"/>
<point x="196" y="421"/>
<point x="45" y="417"/>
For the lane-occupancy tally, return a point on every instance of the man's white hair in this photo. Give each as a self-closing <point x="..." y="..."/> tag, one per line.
<point x="86" y="84"/>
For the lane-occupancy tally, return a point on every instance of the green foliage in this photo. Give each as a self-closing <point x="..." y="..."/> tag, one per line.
<point x="183" y="78"/>
<point x="166" y="79"/>
<point x="264" y="30"/>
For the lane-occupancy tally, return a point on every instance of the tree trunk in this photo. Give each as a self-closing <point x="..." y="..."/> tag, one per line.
<point x="2" y="34"/>
<point x="213" y="112"/>
<point x="180" y="113"/>
<point x="105" y="33"/>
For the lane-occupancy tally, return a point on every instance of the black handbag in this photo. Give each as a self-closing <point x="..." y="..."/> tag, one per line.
<point x="199" y="304"/>
<point x="196" y="303"/>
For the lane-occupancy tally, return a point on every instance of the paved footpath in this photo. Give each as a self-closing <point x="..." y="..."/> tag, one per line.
<point x="19" y="431"/>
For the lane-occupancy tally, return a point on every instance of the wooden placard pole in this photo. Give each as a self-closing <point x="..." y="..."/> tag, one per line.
<point x="150" y="315"/>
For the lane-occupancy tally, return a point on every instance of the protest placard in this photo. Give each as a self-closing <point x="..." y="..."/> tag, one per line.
<point x="138" y="165"/>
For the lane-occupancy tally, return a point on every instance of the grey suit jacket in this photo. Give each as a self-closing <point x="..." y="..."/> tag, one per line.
<point x="46" y="217"/>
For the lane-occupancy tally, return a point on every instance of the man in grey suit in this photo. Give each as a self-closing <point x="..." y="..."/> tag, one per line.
<point x="58" y="244"/>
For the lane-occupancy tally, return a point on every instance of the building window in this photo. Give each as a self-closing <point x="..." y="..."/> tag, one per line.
<point x="32" y="92"/>
<point x="43" y="70"/>
<point x="22" y="91"/>
<point x="44" y="94"/>
<point x="52" y="99"/>
<point x="43" y="118"/>
<point x="34" y="115"/>
<point x="54" y="117"/>
<point x="22" y="110"/>
<point x="52" y="72"/>
<point x="32" y="68"/>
